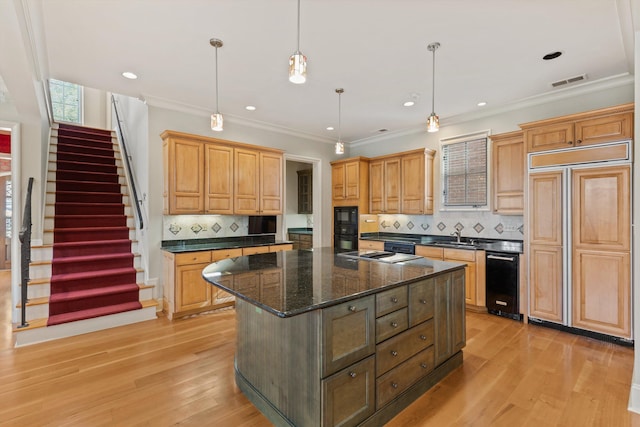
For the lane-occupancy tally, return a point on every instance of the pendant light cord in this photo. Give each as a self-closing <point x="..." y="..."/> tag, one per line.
<point x="340" y="116"/>
<point x="217" y="109"/>
<point x="433" y="83"/>
<point x="298" y="46"/>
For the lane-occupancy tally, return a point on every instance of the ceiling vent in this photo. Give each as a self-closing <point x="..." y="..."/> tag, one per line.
<point x="570" y="80"/>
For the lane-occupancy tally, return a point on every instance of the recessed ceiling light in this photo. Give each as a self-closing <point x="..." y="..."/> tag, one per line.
<point x="552" y="55"/>
<point x="409" y="104"/>
<point x="481" y="104"/>
<point x="329" y="127"/>
<point x="250" y="108"/>
<point x="129" y="75"/>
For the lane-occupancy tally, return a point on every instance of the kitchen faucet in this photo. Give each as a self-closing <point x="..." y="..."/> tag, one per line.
<point x="457" y="234"/>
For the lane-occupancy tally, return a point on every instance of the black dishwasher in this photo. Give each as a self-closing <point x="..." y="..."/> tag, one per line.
<point x="502" y="283"/>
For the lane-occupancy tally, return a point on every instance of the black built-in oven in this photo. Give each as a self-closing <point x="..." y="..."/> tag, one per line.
<point x="345" y="229"/>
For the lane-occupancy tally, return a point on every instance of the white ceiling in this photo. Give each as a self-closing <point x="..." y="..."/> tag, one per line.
<point x="375" y="49"/>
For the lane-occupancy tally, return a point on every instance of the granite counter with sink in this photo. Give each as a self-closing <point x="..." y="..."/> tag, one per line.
<point x="497" y="245"/>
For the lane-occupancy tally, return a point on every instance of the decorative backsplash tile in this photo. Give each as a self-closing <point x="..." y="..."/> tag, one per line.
<point x="470" y="224"/>
<point x="178" y="227"/>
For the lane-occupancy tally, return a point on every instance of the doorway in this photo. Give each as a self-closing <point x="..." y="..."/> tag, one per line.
<point x="297" y="214"/>
<point x="6" y="205"/>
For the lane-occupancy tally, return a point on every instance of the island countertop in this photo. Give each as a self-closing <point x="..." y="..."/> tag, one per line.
<point x="290" y="283"/>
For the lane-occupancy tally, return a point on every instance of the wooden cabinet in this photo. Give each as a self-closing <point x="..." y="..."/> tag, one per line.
<point x="601" y="281"/>
<point x="305" y="191"/>
<point x="218" y="179"/>
<point x="597" y="200"/>
<point x="417" y="182"/>
<point x="186" y="292"/>
<point x="508" y="168"/>
<point x="301" y="240"/>
<point x="384" y="185"/>
<point x="350" y="183"/>
<point x="475" y="271"/>
<point x="183" y="176"/>
<point x="257" y="182"/>
<point x="213" y="176"/>
<point x="449" y="315"/>
<point x="593" y="127"/>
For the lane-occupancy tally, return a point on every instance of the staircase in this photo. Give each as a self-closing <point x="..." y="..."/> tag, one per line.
<point x="86" y="276"/>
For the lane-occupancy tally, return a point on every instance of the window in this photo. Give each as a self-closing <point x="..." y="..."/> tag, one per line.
<point x="464" y="171"/>
<point x="66" y="101"/>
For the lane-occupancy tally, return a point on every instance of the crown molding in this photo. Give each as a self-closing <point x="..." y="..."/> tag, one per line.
<point x="545" y="98"/>
<point x="199" y="111"/>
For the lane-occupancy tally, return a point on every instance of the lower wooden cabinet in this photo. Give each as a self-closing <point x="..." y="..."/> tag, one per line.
<point x="186" y="292"/>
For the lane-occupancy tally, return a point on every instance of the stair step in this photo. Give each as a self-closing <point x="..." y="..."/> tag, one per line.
<point x="86" y="158"/>
<point x="84" y="234"/>
<point x="92" y="176"/>
<point x="84" y="197"/>
<point x="88" y="186"/>
<point x="75" y="208"/>
<point x="68" y="145"/>
<point x="71" y="165"/>
<point x="88" y="279"/>
<point x="77" y="264"/>
<point x="65" y="249"/>
<point x="95" y="298"/>
<point x="73" y="221"/>
<point x="97" y="312"/>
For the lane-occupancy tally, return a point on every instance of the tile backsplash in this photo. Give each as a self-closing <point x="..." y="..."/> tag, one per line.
<point x="470" y="224"/>
<point x="179" y="227"/>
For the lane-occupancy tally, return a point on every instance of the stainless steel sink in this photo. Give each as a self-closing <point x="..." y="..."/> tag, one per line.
<point x="464" y="245"/>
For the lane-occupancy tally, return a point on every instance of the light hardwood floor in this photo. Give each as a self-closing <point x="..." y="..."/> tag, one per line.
<point x="162" y="373"/>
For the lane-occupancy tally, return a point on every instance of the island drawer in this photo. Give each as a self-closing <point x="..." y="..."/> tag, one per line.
<point x="397" y="380"/>
<point x="193" y="258"/>
<point x="348" y="333"/>
<point x="421" y="302"/>
<point x="396" y="350"/>
<point x="391" y="300"/>
<point x="391" y="324"/>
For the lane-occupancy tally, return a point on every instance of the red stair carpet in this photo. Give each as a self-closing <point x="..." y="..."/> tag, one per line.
<point x="92" y="271"/>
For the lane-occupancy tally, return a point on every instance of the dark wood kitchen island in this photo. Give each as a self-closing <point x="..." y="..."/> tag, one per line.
<point x="326" y="340"/>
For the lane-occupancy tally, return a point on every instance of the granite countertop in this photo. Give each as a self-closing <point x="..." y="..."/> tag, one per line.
<point x="313" y="279"/>
<point x="497" y="245"/>
<point x="195" y="245"/>
<point x="300" y="230"/>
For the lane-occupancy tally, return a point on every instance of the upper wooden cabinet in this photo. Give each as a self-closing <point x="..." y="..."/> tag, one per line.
<point x="183" y="176"/>
<point x="593" y="127"/>
<point x="384" y="185"/>
<point x="417" y="182"/>
<point x="350" y="183"/>
<point x="508" y="167"/>
<point x="305" y="191"/>
<point x="214" y="176"/>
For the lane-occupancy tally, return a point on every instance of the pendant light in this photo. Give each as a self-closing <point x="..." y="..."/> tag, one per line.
<point x="433" y="122"/>
<point x="216" y="118"/>
<point x="339" y="144"/>
<point x="297" y="61"/>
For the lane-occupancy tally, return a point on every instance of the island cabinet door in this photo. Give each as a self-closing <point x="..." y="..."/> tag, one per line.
<point x="348" y="334"/>
<point x="449" y="315"/>
<point x="348" y="396"/>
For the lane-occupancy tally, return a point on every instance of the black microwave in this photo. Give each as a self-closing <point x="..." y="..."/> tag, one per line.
<point x="262" y="224"/>
<point x="346" y="216"/>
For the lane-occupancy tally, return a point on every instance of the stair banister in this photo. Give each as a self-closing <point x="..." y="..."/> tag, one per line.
<point x="25" y="254"/>
<point x="128" y="163"/>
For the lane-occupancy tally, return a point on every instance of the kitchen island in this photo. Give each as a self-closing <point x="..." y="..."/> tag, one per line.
<point x="326" y="340"/>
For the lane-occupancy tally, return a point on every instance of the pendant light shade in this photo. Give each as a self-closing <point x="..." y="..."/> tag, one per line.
<point x="433" y="122"/>
<point x="339" y="144"/>
<point x="297" y="61"/>
<point x="216" y="118"/>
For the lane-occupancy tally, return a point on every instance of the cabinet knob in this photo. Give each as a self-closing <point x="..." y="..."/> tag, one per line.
<point x="423" y="338"/>
<point x="569" y="142"/>
<point x="352" y="308"/>
<point x="394" y="324"/>
<point x="579" y="141"/>
<point x="394" y="300"/>
<point x="394" y="353"/>
<point x="394" y="385"/>
<point x="352" y="374"/>
<point x="423" y="365"/>
<point x="423" y="301"/>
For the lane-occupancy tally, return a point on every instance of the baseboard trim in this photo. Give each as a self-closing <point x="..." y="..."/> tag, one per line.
<point x="634" y="398"/>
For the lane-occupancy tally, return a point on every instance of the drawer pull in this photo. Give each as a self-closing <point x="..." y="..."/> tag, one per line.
<point x="394" y="353"/>
<point x="394" y="324"/>
<point x="394" y="300"/>
<point x="352" y="374"/>
<point x="352" y="308"/>
<point x="394" y="385"/>
<point x="423" y="338"/>
<point x="423" y="301"/>
<point x="423" y="365"/>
